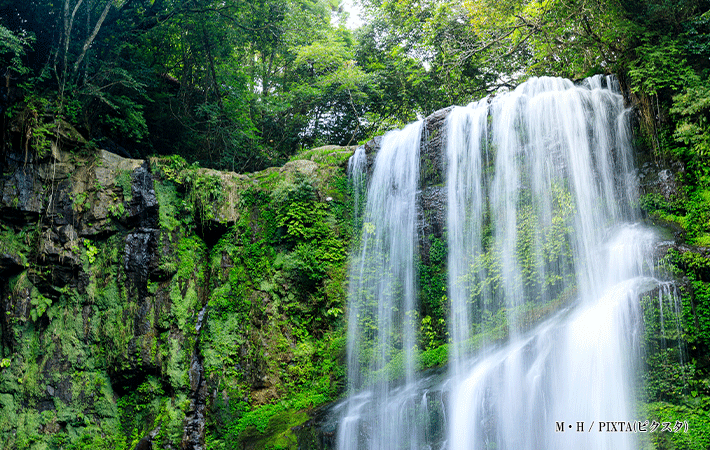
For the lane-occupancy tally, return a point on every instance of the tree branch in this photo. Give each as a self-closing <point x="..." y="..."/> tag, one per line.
<point x="91" y="38"/>
<point x="68" y="25"/>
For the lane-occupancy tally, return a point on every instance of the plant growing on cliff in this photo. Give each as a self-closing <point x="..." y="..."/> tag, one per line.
<point x="692" y="107"/>
<point x="91" y="251"/>
<point x="204" y="191"/>
<point x="36" y="130"/>
<point x="39" y="303"/>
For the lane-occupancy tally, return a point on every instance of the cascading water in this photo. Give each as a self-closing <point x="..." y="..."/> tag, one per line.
<point x="539" y="186"/>
<point x="558" y="155"/>
<point x="382" y="293"/>
<point x="357" y="178"/>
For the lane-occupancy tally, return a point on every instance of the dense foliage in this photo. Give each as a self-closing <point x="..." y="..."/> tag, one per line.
<point x="238" y="85"/>
<point x="244" y="84"/>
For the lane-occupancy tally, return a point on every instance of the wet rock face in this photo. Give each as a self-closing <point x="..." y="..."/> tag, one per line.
<point x="194" y="433"/>
<point x="371" y="148"/>
<point x="432" y="149"/>
<point x="143" y="207"/>
<point x="431" y="217"/>
<point x="661" y="179"/>
<point x="320" y="432"/>
<point x="141" y="259"/>
<point x="81" y="230"/>
<point x="10" y="264"/>
<point x="667" y="184"/>
<point x="29" y="188"/>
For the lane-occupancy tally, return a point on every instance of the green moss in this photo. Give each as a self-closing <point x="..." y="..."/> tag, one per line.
<point x="227" y="335"/>
<point x="168" y="202"/>
<point x="693" y="414"/>
<point x="328" y="155"/>
<point x="147" y="407"/>
<point x="688" y="211"/>
<point x="433" y="357"/>
<point x="432" y="295"/>
<point x="17" y="244"/>
<point x="27" y="429"/>
<point x="279" y="289"/>
<point x="123" y="180"/>
<point x="184" y="308"/>
<point x="185" y="302"/>
<point x="68" y="327"/>
<point x="8" y="414"/>
<point x="172" y="419"/>
<point x="177" y="364"/>
<point x="278" y="431"/>
<point x="276" y="290"/>
<point x="270" y="426"/>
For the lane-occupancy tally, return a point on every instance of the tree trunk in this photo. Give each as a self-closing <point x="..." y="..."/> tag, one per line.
<point x="91" y="38"/>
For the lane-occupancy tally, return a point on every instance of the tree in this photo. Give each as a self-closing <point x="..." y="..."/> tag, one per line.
<point x="13" y="48"/>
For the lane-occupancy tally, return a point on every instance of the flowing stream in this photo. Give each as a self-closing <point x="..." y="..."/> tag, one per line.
<point x="546" y="265"/>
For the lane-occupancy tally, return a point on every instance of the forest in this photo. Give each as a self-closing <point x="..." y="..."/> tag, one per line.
<point x="243" y="85"/>
<point x="243" y="114"/>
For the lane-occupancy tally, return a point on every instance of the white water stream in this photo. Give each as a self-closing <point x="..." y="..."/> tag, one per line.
<point x="539" y="186"/>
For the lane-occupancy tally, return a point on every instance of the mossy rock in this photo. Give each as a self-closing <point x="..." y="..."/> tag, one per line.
<point x="328" y="154"/>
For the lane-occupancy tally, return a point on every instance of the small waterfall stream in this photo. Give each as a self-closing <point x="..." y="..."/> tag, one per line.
<point x="382" y="289"/>
<point x="541" y="235"/>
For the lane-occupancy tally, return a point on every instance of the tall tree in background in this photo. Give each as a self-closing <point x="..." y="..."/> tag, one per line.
<point x="419" y="52"/>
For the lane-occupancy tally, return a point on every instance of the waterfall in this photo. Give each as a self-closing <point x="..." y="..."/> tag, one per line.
<point x="544" y="253"/>
<point x="357" y="178"/>
<point x="382" y="293"/>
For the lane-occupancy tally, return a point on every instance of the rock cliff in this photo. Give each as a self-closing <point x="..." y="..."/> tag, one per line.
<point x="155" y="304"/>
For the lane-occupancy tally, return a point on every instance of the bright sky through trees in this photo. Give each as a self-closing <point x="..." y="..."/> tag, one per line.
<point x="354" y="10"/>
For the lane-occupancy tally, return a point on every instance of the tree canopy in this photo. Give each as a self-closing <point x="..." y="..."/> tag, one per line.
<point x="243" y="84"/>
